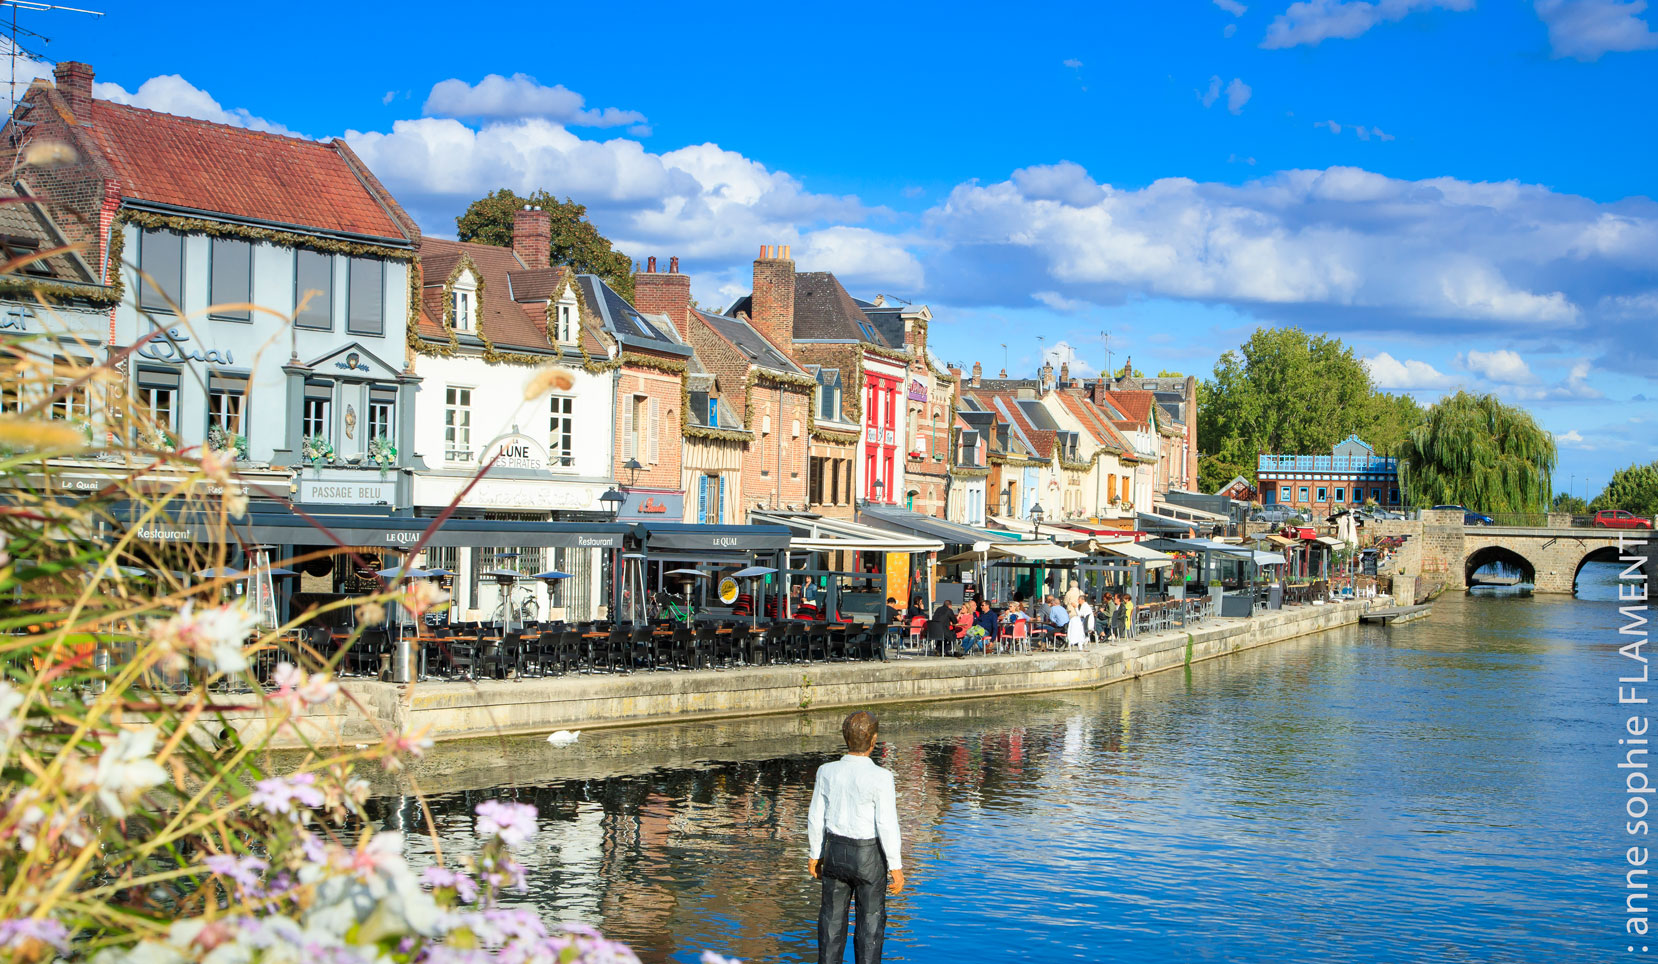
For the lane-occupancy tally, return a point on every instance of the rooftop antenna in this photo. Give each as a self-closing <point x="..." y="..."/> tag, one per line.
<point x="1105" y="339"/>
<point x="34" y="7"/>
<point x="1004" y="356"/>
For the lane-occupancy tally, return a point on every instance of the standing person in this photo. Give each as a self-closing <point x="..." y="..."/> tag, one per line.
<point x="1073" y="594"/>
<point x="852" y="828"/>
<point x="1076" y="631"/>
<point x="1119" y="626"/>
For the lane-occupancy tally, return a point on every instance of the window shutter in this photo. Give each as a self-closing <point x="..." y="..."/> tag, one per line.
<point x="702" y="498"/>
<point x="627" y="428"/>
<point x="655" y="426"/>
<point x="719" y="508"/>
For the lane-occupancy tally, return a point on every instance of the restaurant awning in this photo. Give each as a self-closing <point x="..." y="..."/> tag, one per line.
<point x="1330" y="541"/>
<point x="1133" y="550"/>
<point x="1172" y="510"/>
<point x="811" y="532"/>
<point x="1029" y="551"/>
<point x="1161" y="523"/>
<point x="658" y="536"/>
<point x="949" y="533"/>
<point x="393" y="532"/>
<point x="1280" y="541"/>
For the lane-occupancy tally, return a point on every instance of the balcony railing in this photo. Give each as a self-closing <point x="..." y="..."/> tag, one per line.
<point x="1326" y="463"/>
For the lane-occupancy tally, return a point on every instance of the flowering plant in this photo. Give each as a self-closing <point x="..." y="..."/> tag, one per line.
<point x="315" y="448"/>
<point x="141" y="819"/>
<point x="220" y="440"/>
<point x="381" y="452"/>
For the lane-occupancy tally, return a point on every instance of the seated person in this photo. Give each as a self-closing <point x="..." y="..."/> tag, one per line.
<point x="964" y="620"/>
<point x="986" y="619"/>
<point x="892" y="613"/>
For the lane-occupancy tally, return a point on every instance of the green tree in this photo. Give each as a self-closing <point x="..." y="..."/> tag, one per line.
<point x="576" y="242"/>
<point x="1165" y="373"/>
<point x="1477" y="452"/>
<point x="1287" y="392"/>
<point x="1634" y="488"/>
<point x="1566" y="502"/>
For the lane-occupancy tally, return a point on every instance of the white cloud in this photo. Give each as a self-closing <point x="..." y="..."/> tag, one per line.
<point x="1064" y="353"/>
<point x="1362" y="132"/>
<point x="172" y="94"/>
<point x="869" y="256"/>
<point x="1059" y="302"/>
<point x="390" y="96"/>
<point x="1502" y="366"/>
<point x="1314" y="21"/>
<point x="1435" y="248"/>
<point x="29" y="70"/>
<point x="1237" y="95"/>
<point x="521" y="96"/>
<point x="1073" y="63"/>
<point x="1229" y="30"/>
<point x="1066" y="182"/>
<point x="1573" y="439"/>
<point x="1232" y="7"/>
<point x="1391" y="374"/>
<point x="1586" y="29"/>
<point x="1208" y="97"/>
<point x="1331" y="125"/>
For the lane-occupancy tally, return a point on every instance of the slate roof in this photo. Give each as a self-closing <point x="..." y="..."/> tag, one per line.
<point x="823" y="309"/>
<point x="536" y="284"/>
<point x="1006" y="404"/>
<point x="749" y="342"/>
<point x="624" y="322"/>
<point x="251" y="175"/>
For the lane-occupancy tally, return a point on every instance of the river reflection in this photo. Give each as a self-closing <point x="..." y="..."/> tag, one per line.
<point x="1432" y="792"/>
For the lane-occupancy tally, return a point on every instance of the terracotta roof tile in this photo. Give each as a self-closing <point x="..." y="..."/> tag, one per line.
<point x="189" y="163"/>
<point x="1135" y="405"/>
<point x="507" y="323"/>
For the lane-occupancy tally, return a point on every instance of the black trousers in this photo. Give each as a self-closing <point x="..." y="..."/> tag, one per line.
<point x="852" y="869"/>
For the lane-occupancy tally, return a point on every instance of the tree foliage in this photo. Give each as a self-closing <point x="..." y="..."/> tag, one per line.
<point x="1287" y="392"/>
<point x="576" y="242"/>
<point x="1634" y="488"/>
<point x="1566" y="502"/>
<point x="1477" y="452"/>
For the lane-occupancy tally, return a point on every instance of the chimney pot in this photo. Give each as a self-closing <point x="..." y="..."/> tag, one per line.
<point x="786" y="252"/>
<point x="650" y="264"/>
<point x="673" y="265"/>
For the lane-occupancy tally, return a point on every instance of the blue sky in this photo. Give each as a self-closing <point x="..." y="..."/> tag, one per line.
<point x="1462" y="190"/>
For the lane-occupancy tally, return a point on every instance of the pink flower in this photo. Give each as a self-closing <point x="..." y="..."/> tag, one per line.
<point x="441" y="878"/>
<point x="18" y="934"/>
<point x="297" y="689"/>
<point x="278" y="795"/>
<point x="214" y="633"/>
<point x="244" y="871"/>
<point x="511" y="823"/>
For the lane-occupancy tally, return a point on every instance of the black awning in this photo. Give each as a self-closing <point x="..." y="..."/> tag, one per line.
<point x="949" y="533"/>
<point x="710" y="538"/>
<point x="287" y="528"/>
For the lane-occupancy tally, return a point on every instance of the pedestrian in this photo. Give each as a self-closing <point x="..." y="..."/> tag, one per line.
<point x="852" y="829"/>
<point x="1085" y="610"/>
<point x="1076" y="630"/>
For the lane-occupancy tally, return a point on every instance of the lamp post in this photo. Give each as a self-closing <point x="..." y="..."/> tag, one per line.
<point x="1036" y="521"/>
<point x="878" y="487"/>
<point x="633" y="467"/>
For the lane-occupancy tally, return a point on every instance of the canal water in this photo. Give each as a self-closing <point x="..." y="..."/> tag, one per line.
<point x="1439" y="791"/>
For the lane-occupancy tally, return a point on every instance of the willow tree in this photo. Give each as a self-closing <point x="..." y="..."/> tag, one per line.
<point x="1474" y="451"/>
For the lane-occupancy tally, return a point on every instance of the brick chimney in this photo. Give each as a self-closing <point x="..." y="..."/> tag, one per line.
<point x="74" y="83"/>
<point x="1065" y="373"/>
<point x="978" y="374"/>
<point x="773" y="301"/>
<point x="664" y="293"/>
<point x="532" y="236"/>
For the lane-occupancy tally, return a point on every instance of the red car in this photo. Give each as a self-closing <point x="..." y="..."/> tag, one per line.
<point x="1620" y="519"/>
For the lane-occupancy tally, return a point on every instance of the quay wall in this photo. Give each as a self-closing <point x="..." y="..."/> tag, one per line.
<point x="452" y="711"/>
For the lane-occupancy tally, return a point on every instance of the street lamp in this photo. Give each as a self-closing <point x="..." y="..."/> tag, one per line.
<point x="612" y="501"/>
<point x="633" y="467"/>
<point x="878" y="487"/>
<point x="1036" y="521"/>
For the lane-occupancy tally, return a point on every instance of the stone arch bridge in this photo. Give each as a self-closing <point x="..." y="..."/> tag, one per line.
<point x="1549" y="557"/>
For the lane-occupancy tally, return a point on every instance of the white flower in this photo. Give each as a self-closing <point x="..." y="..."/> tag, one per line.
<point x="215" y="633"/>
<point x="297" y="689"/>
<point x="11" y="722"/>
<point x="125" y="771"/>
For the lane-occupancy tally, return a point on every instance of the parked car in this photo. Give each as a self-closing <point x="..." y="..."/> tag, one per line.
<point x="1377" y="512"/>
<point x="1620" y="519"/>
<point x="1470" y="517"/>
<point x="1276" y="515"/>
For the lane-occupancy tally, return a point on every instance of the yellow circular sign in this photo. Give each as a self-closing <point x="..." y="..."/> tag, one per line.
<point x="728" y="590"/>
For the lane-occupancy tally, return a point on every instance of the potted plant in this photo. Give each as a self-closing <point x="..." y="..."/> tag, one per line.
<point x="315" y="448"/>
<point x="382" y="453"/>
<point x="220" y="440"/>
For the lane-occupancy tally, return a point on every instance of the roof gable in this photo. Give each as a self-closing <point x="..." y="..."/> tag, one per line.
<point x="823" y="309"/>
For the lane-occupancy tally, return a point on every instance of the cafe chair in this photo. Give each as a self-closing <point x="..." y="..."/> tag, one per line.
<point x="618" y="645"/>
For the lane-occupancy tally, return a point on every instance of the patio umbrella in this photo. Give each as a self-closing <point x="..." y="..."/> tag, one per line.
<point x="688" y="575"/>
<point x="403" y="572"/>
<point x="753" y="572"/>
<point x="220" y="572"/>
<point x="443" y="573"/>
<point x="550" y="575"/>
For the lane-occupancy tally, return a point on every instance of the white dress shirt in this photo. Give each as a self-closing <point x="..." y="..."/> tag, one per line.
<point x="855" y="798"/>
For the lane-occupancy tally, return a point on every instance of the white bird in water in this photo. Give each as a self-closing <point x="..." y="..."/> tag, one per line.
<point x="563" y="737"/>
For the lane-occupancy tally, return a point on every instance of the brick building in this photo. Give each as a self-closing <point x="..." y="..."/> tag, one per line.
<point x="929" y="404"/>
<point x="856" y="426"/>
<point x="749" y="394"/>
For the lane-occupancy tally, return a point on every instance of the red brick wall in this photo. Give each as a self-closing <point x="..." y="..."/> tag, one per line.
<point x="532" y="236"/>
<point x="774" y="469"/>
<point x="772" y="310"/>
<point x="664" y="293"/>
<point x="666" y="389"/>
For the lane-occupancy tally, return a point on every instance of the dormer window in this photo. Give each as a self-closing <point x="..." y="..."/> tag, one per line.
<point x="463" y="303"/>
<point x="564" y="320"/>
